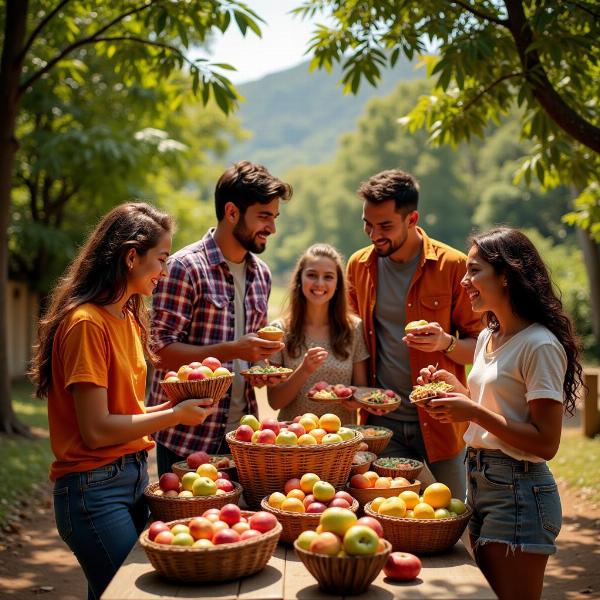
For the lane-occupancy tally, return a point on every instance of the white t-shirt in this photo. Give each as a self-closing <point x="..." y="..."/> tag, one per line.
<point x="530" y="365"/>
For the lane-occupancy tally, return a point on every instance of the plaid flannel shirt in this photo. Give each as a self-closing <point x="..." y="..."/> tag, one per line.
<point x="194" y="304"/>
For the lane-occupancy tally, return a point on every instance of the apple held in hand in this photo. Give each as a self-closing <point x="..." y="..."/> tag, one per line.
<point x="360" y="540"/>
<point x="402" y="566"/>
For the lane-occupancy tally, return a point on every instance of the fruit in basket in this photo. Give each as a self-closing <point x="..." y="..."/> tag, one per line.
<point x="345" y="495"/>
<point x="411" y="498"/>
<point x="340" y="502"/>
<point x="208" y="470"/>
<point x="437" y="495"/>
<point x="164" y="537"/>
<point x="200" y="528"/>
<point x="456" y="506"/>
<point x="230" y="513"/>
<point x="262" y="521"/>
<point x="345" y="433"/>
<point x="272" y="424"/>
<point x="182" y="539"/>
<point x="265" y="436"/>
<point x="331" y="438"/>
<point x="195" y="459"/>
<point x="204" y="486"/>
<point x="360" y="481"/>
<point x="392" y="507"/>
<point x="305" y="539"/>
<point x="307" y="482"/>
<point x="211" y="362"/>
<point x="156" y="528"/>
<point x="168" y="482"/>
<point x="296" y="429"/>
<point x="197" y="375"/>
<point x="275" y="499"/>
<point x="323" y="491"/>
<point x="326" y="543"/>
<point x="187" y="481"/>
<point x="286" y="438"/>
<point x="183" y="372"/>
<point x="402" y="566"/>
<point x="250" y="420"/>
<point x="226" y="536"/>
<point x="224" y="485"/>
<point x="329" y="422"/>
<point x="373" y="523"/>
<point x="423" y="511"/>
<point x="360" y="540"/>
<point x="244" y="433"/>
<point x="337" y="520"/>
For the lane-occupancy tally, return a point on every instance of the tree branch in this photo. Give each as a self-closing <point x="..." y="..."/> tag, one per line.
<point x="585" y="9"/>
<point x="488" y="88"/>
<point x="87" y="40"/>
<point x="479" y="13"/>
<point x="568" y="119"/>
<point x="40" y="26"/>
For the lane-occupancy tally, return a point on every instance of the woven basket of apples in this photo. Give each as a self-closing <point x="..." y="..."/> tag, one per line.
<point x="206" y="379"/>
<point x="174" y="498"/>
<point x="268" y="453"/>
<point x="423" y="524"/>
<point x="223" y="462"/>
<point x="368" y="486"/>
<point x="218" y="545"/>
<point x="299" y="506"/>
<point x="344" y="554"/>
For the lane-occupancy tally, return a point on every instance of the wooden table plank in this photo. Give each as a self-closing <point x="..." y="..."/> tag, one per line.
<point x="269" y="583"/>
<point x="299" y="583"/>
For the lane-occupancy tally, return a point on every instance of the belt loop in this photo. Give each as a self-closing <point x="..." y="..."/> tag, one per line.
<point x="526" y="466"/>
<point x="121" y="462"/>
<point x="478" y="453"/>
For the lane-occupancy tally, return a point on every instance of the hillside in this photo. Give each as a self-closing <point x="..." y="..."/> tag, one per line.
<point x="296" y="117"/>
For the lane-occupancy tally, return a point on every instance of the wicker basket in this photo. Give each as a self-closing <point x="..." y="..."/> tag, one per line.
<point x="421" y="536"/>
<point x="294" y="523"/>
<point x="409" y="469"/>
<point x="264" y="468"/>
<point x="362" y="395"/>
<point x="181" y="468"/>
<point x="168" y="509"/>
<point x="377" y="443"/>
<point x="212" y="387"/>
<point x="360" y="468"/>
<point x="366" y="495"/>
<point x="344" y="575"/>
<point x="218" y="563"/>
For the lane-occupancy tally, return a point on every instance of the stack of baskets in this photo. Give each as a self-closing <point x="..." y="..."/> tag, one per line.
<point x="264" y="468"/>
<point x="166" y="508"/>
<point x="217" y="563"/>
<point x="421" y="536"/>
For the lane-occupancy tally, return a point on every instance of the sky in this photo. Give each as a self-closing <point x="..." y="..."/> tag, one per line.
<point x="283" y="43"/>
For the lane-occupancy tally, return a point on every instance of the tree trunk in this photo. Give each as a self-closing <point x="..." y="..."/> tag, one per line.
<point x="591" y="257"/>
<point x="11" y="65"/>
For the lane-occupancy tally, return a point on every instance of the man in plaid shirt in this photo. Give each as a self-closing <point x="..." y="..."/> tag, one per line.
<point x="213" y="301"/>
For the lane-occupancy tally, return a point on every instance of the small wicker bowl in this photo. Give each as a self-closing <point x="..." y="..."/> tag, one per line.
<point x="294" y="523"/>
<point x="362" y="394"/>
<point x="344" y="575"/>
<point x="168" y="508"/>
<point x="212" y="387"/>
<point x="219" y="563"/>
<point x="405" y="467"/>
<point x="181" y="468"/>
<point x="366" y="495"/>
<point x="421" y="536"/>
<point x="363" y="467"/>
<point x="282" y="374"/>
<point x="376" y="443"/>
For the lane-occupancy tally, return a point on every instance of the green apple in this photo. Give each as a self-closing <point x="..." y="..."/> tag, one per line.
<point x="345" y="433"/>
<point x="179" y="528"/>
<point x="250" y="420"/>
<point x="204" y="486"/>
<point x="337" y="520"/>
<point x="360" y="540"/>
<point x="187" y="481"/>
<point x="331" y="438"/>
<point x="255" y="436"/>
<point x="305" y="539"/>
<point x="456" y="506"/>
<point x="442" y="513"/>
<point x="323" y="491"/>
<point x="286" y="438"/>
<point x="183" y="539"/>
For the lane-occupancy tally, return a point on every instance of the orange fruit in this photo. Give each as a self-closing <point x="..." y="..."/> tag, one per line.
<point x="292" y="505"/>
<point x="423" y="511"/>
<point x="298" y="494"/>
<point x="411" y="499"/>
<point x="437" y="495"/>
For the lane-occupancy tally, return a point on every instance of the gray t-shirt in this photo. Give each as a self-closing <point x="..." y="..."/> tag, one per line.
<point x="393" y="366"/>
<point x="237" y="405"/>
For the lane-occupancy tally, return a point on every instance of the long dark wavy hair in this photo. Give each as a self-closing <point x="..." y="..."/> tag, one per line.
<point x="341" y="328"/>
<point x="98" y="274"/>
<point x="532" y="296"/>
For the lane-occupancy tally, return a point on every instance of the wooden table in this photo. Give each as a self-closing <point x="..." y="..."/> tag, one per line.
<point x="449" y="575"/>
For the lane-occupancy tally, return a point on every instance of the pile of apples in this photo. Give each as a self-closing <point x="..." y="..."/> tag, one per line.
<point x="215" y="526"/>
<point x="341" y="533"/>
<point x="206" y="480"/>
<point x="371" y="479"/>
<point x="309" y="494"/>
<point x="435" y="503"/>
<point x="324" y="391"/>
<point x="305" y="430"/>
<point x="197" y="371"/>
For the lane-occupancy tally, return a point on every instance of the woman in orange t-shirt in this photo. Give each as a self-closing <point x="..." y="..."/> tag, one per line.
<point x="89" y="362"/>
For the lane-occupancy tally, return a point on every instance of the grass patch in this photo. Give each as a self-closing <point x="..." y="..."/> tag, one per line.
<point x="24" y="465"/>
<point x="578" y="461"/>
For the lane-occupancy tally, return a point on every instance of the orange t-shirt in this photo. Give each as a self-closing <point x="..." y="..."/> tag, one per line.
<point x="93" y="346"/>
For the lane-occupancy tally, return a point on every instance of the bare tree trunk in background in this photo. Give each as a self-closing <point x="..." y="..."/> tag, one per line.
<point x="591" y="257"/>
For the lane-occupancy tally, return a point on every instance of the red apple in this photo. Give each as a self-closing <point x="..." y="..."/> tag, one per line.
<point x="164" y="537"/>
<point x="223" y="475"/>
<point x="200" y="528"/>
<point x="316" y="507"/>
<point x="297" y="429"/>
<point x="345" y="495"/>
<point x="341" y="502"/>
<point x="156" y="528"/>
<point x="373" y="523"/>
<point x="226" y="536"/>
<point x="211" y="362"/>
<point x="196" y="375"/>
<point x="291" y="484"/>
<point x="326" y="543"/>
<point x="195" y="364"/>
<point x="223" y="463"/>
<point x="320" y="385"/>
<point x="244" y="433"/>
<point x="402" y="566"/>
<point x="390" y="393"/>
<point x="266" y="436"/>
<point x="230" y="513"/>
<point x="225" y="485"/>
<point x="272" y="424"/>
<point x="308" y="499"/>
<point x="170" y="374"/>
<point x="360" y="481"/>
<point x="168" y="481"/>
<point x="250" y="533"/>
<point x="262" y="521"/>
<point x="195" y="459"/>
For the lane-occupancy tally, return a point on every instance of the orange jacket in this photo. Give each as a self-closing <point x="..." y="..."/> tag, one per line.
<point x="435" y="294"/>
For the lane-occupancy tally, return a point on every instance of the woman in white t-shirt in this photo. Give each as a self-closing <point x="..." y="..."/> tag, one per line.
<point x="525" y="374"/>
<point x="323" y="340"/>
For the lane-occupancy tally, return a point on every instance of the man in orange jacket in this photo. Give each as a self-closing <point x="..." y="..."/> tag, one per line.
<point x="407" y="276"/>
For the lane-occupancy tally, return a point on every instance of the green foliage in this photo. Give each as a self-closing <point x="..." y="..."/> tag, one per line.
<point x="541" y="56"/>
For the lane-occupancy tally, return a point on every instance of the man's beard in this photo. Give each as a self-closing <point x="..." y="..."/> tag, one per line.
<point x="246" y="239"/>
<point x="384" y="251"/>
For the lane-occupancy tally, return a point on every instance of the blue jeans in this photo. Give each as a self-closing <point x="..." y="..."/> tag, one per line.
<point x="100" y="515"/>
<point x="515" y="502"/>
<point x="407" y="442"/>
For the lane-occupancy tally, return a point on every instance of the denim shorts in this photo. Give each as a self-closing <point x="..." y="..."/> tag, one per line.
<point x="514" y="502"/>
<point x="100" y="514"/>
